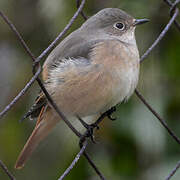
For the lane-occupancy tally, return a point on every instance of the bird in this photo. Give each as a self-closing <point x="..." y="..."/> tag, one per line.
<point x="93" y="69"/>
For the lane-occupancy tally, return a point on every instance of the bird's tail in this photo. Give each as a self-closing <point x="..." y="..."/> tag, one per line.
<point x="46" y="121"/>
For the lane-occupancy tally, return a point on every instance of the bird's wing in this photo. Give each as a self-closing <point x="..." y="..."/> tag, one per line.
<point x="72" y="47"/>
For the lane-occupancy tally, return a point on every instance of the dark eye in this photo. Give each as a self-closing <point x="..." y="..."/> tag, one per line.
<point x="119" y="26"/>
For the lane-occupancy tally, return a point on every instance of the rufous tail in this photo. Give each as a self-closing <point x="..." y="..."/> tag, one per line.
<point x="46" y="122"/>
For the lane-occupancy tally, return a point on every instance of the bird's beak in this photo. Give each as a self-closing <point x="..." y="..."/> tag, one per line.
<point x="140" y="21"/>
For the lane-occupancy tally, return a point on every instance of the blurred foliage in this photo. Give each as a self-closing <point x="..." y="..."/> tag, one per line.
<point x="135" y="146"/>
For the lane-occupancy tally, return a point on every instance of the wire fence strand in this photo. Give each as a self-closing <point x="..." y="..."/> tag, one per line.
<point x="162" y="34"/>
<point x="171" y="174"/>
<point x="21" y="93"/>
<point x="157" y="116"/>
<point x="63" y="32"/>
<point x="9" y="174"/>
<point x="76" y="159"/>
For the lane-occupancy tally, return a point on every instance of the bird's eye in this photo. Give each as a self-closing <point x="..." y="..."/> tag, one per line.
<point x="119" y="26"/>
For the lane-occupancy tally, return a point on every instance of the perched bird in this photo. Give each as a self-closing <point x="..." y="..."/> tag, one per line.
<point x="90" y="71"/>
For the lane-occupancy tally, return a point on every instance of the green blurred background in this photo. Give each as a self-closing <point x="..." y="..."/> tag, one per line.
<point x="135" y="146"/>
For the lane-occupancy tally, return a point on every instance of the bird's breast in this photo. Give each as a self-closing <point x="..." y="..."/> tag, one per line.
<point x="121" y="62"/>
<point x="92" y="88"/>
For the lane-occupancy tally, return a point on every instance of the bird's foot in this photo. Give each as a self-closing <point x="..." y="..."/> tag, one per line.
<point x="89" y="131"/>
<point x="90" y="127"/>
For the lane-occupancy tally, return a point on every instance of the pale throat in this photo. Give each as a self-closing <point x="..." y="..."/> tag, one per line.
<point x="130" y="40"/>
<point x="128" y="37"/>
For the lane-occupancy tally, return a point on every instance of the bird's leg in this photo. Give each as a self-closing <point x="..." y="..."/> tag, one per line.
<point x="90" y="127"/>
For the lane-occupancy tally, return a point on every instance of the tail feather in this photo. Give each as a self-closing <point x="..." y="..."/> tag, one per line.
<point x="42" y="129"/>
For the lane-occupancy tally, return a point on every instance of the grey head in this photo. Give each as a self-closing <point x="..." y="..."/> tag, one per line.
<point x="114" y="22"/>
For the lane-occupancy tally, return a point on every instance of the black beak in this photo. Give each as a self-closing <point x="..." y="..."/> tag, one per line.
<point x="140" y="21"/>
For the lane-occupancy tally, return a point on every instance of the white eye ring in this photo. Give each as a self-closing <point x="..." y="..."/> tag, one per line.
<point x="119" y="25"/>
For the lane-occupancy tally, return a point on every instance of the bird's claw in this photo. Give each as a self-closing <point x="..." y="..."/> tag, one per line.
<point x="110" y="112"/>
<point x="89" y="131"/>
<point x="111" y="118"/>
